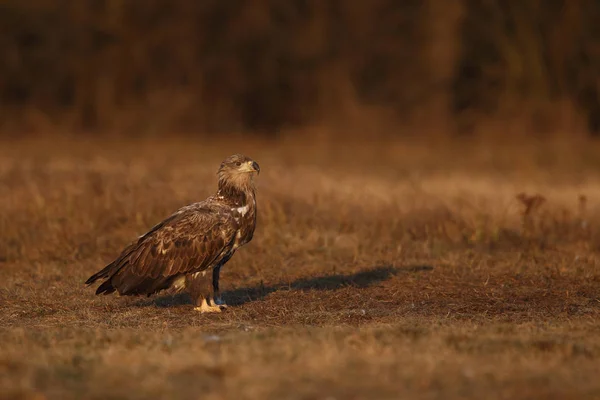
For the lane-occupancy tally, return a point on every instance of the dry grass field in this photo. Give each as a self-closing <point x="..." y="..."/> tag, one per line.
<point x="378" y="270"/>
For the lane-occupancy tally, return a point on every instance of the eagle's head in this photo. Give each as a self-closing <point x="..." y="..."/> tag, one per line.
<point x="238" y="171"/>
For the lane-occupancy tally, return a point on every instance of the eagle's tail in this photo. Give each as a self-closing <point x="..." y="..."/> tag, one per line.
<point x="109" y="271"/>
<point x="103" y="273"/>
<point x="106" y="272"/>
<point x="106" y="288"/>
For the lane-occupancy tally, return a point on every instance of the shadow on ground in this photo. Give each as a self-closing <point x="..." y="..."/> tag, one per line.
<point x="237" y="297"/>
<point x="362" y="279"/>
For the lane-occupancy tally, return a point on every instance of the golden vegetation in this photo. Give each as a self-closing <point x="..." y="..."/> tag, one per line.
<point x="377" y="270"/>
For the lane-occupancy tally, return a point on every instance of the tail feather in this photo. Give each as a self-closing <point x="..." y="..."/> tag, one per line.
<point x="110" y="270"/>
<point x="103" y="273"/>
<point x="120" y="278"/>
<point x="105" y="288"/>
<point x="130" y="284"/>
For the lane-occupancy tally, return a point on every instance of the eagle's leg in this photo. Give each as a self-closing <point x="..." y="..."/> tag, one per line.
<point x="202" y="292"/>
<point x="215" y="282"/>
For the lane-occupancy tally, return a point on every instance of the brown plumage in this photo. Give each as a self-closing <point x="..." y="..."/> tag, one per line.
<point x="188" y="249"/>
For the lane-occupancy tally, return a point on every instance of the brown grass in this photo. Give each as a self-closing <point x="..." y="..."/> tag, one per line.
<point x="267" y="66"/>
<point x="378" y="270"/>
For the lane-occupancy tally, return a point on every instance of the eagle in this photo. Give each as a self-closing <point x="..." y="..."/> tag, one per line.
<point x="187" y="250"/>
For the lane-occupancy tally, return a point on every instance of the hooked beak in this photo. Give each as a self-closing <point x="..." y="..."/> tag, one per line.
<point x="250" y="166"/>
<point x="256" y="167"/>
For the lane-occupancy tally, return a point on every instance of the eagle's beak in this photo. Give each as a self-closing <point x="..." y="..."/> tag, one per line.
<point x="255" y="167"/>
<point x="250" y="166"/>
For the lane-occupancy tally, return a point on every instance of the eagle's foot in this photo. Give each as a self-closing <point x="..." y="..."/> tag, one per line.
<point x="211" y="305"/>
<point x="219" y="302"/>
<point x="206" y="308"/>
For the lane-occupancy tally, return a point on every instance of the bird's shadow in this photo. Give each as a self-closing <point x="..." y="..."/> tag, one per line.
<point x="244" y="295"/>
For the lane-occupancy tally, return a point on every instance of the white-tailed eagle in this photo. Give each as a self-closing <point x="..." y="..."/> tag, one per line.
<point x="187" y="250"/>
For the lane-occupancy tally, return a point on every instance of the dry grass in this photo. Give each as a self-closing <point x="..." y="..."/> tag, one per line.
<point x="380" y="270"/>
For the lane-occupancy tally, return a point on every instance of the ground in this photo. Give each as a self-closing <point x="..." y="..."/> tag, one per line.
<point x="378" y="270"/>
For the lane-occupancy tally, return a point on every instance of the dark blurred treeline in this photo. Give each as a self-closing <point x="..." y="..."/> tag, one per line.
<point x="267" y="65"/>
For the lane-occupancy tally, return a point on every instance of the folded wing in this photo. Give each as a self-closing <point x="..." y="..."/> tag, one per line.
<point x="189" y="241"/>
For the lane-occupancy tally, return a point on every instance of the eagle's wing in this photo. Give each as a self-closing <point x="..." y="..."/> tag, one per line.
<point x="190" y="240"/>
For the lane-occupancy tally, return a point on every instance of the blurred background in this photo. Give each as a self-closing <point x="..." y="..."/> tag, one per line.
<point x="507" y="68"/>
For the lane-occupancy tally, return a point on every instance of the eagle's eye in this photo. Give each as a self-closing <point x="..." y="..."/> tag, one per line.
<point x="237" y="163"/>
